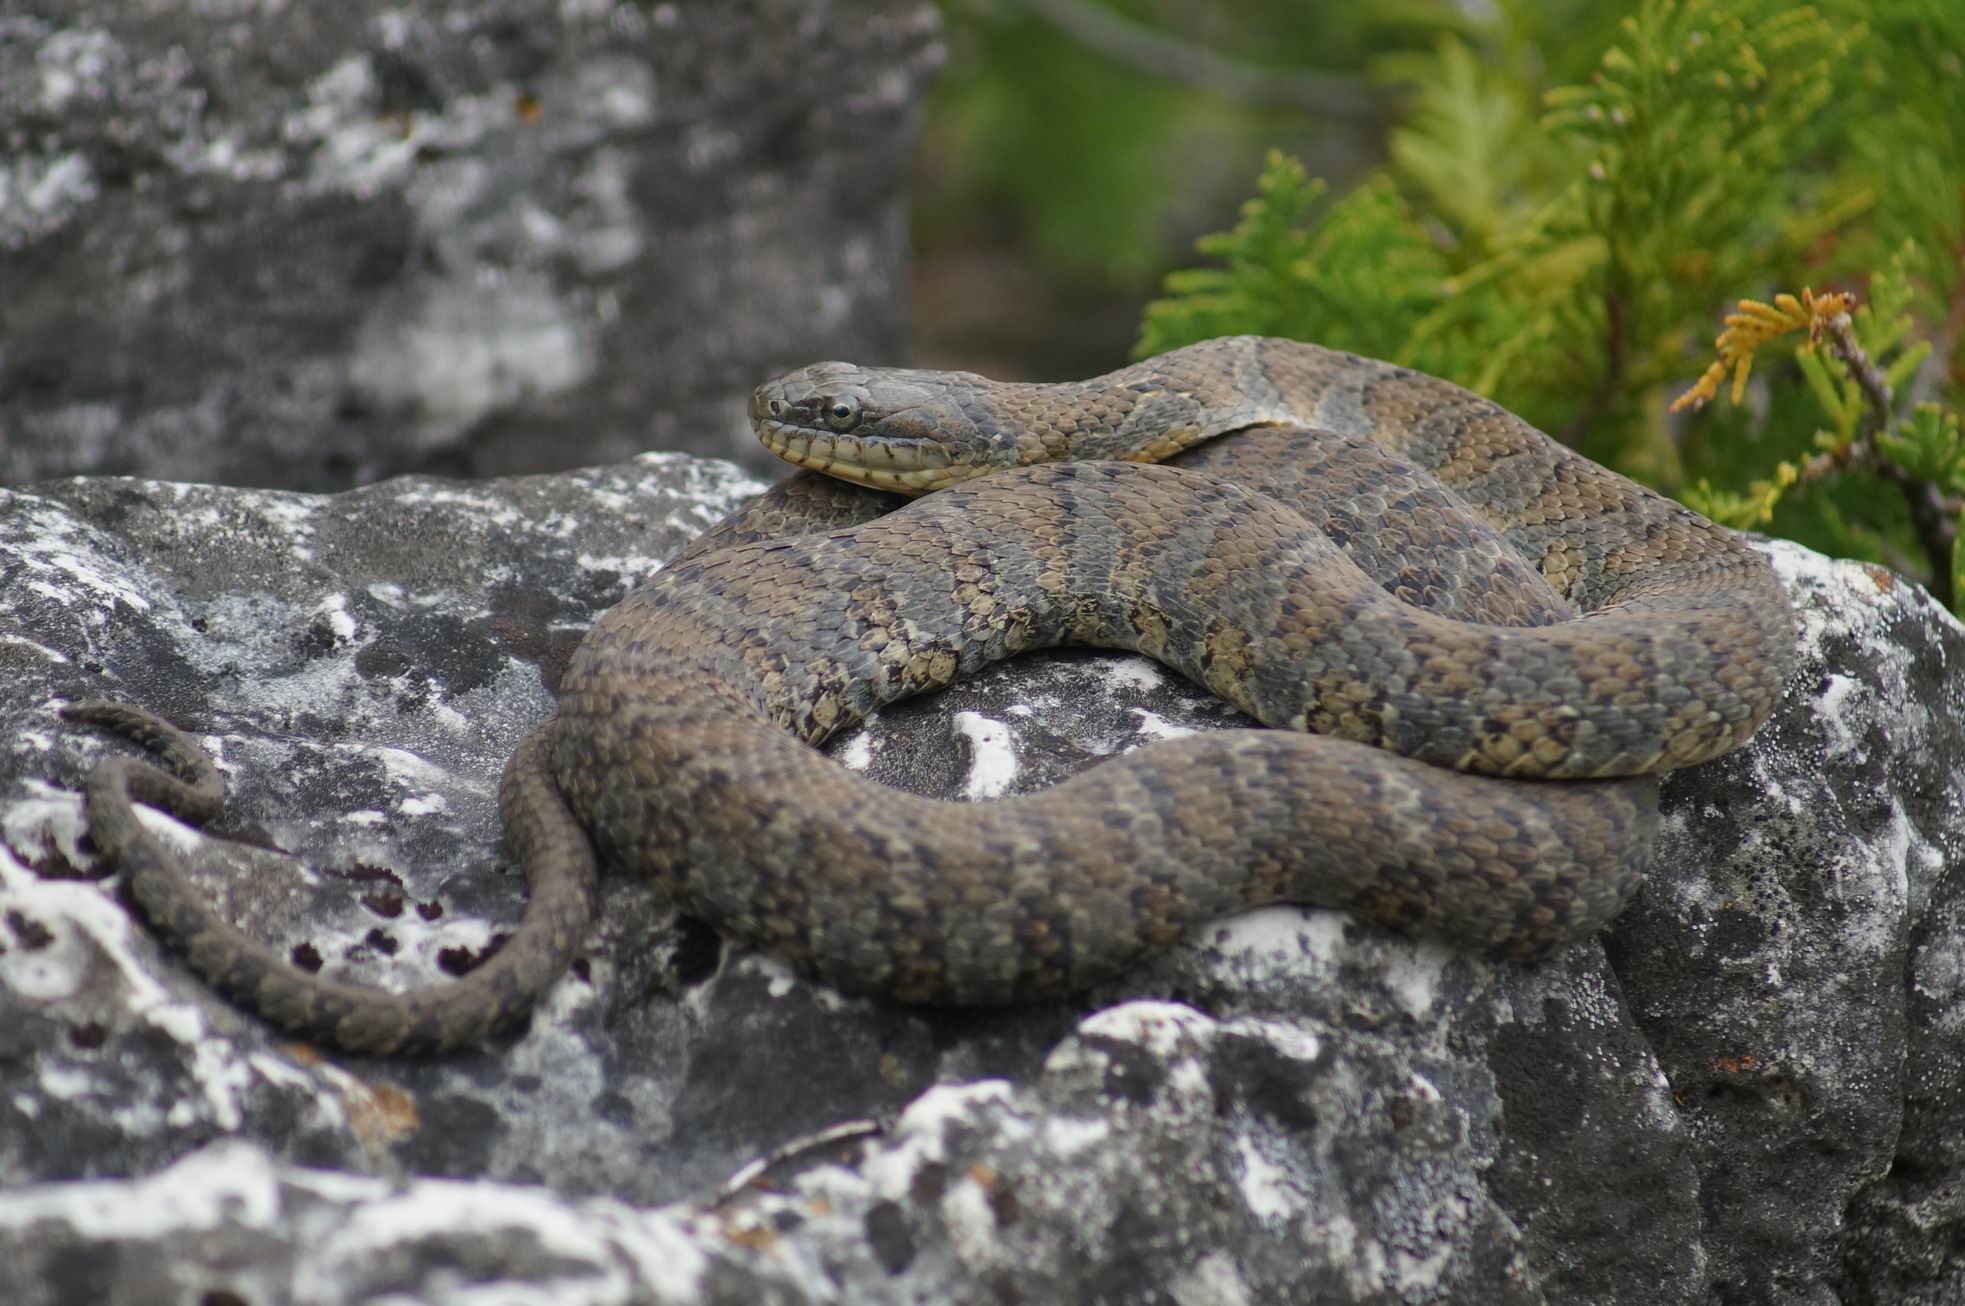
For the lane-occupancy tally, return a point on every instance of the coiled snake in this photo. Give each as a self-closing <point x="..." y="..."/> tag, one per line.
<point x="1424" y="581"/>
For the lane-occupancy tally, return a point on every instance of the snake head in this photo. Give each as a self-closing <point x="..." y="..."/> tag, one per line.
<point x="888" y="428"/>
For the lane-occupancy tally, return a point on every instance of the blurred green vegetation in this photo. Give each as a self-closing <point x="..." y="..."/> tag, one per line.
<point x="1552" y="203"/>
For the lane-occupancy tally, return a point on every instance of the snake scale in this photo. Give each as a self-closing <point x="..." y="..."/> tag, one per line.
<point x="1479" y="645"/>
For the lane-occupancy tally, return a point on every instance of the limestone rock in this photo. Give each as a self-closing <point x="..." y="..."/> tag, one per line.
<point x="1750" y="1090"/>
<point x="321" y="244"/>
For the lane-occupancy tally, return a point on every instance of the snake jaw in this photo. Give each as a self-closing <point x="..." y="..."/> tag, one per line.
<point x="887" y="428"/>
<point x="906" y="469"/>
<point x="911" y="483"/>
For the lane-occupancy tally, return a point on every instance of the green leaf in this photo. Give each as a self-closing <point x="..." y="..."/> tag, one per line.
<point x="1930" y="446"/>
<point x="1689" y="153"/>
<point x="1815" y="367"/>
<point x="1352" y="274"/>
<point x="1741" y="510"/>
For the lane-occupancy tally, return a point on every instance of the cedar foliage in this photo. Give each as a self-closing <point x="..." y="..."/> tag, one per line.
<point x="1570" y="250"/>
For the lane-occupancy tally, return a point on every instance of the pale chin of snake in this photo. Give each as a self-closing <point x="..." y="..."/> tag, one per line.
<point x="909" y="467"/>
<point x="874" y="465"/>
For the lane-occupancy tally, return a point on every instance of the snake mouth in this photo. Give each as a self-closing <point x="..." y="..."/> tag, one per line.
<point x="905" y="467"/>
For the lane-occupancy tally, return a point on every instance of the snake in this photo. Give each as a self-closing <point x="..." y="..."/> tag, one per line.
<point x="1471" y="651"/>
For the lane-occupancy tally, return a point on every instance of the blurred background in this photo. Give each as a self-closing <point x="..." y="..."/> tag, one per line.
<point x="1553" y="203"/>
<point x="1074" y="150"/>
<point x="391" y="236"/>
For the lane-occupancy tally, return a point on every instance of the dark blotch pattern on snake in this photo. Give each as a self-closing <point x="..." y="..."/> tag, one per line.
<point x="1496" y="641"/>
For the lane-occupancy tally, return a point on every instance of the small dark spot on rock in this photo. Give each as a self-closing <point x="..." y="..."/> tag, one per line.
<point x="528" y="605"/>
<point x="33" y="935"/>
<point x="930" y="1182"/>
<point x="1132" y="1074"/>
<point x="53" y="864"/>
<point x="526" y="1083"/>
<point x="307" y="957"/>
<point x="382" y="659"/>
<point x="698" y="951"/>
<point x="36" y="376"/>
<point x="1003" y="1205"/>
<point x="385" y="904"/>
<point x="369" y="873"/>
<point x="583" y="970"/>
<point x="1720" y="1094"/>
<point x="93" y="667"/>
<point x="315" y="640"/>
<point x="378" y="264"/>
<point x="382" y="942"/>
<point x="522" y="624"/>
<point x="89" y="1036"/>
<point x="222" y="1297"/>
<point x="1401" y="1112"/>
<point x="1737" y="934"/>
<point x="430" y="911"/>
<point x="888" y="1236"/>
<point x="516" y="636"/>
<point x="462" y="961"/>
<point x="1254" y="1075"/>
<point x="402" y="84"/>
<point x="447" y="655"/>
<point x="200" y="625"/>
<point x="616" y="1108"/>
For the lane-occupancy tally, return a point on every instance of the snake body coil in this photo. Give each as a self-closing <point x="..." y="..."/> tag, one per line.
<point x="1486" y="632"/>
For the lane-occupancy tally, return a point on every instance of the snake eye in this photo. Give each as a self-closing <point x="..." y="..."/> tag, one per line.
<point x="843" y="413"/>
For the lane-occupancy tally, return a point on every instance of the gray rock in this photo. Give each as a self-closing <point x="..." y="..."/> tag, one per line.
<point x="315" y="247"/>
<point x="1750" y="1090"/>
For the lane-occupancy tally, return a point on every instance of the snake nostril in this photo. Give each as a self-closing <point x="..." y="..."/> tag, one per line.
<point x="776" y="408"/>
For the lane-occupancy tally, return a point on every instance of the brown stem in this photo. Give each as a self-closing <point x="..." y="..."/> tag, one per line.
<point x="1876" y="390"/>
<point x="1613" y="372"/>
<point x="1933" y="515"/>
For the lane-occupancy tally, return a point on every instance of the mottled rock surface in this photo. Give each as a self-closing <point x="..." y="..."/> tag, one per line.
<point x="310" y="245"/>
<point x="1751" y="1090"/>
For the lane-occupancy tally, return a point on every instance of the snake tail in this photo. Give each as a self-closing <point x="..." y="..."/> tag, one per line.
<point x="361" y="1019"/>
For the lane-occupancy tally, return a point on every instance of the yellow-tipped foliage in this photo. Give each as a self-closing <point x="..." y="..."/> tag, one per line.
<point x="1754" y="326"/>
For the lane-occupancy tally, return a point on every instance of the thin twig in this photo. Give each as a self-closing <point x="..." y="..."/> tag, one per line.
<point x="1160" y="55"/>
<point x="751" y="1170"/>
<point x="1933" y="515"/>
<point x="1876" y="388"/>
